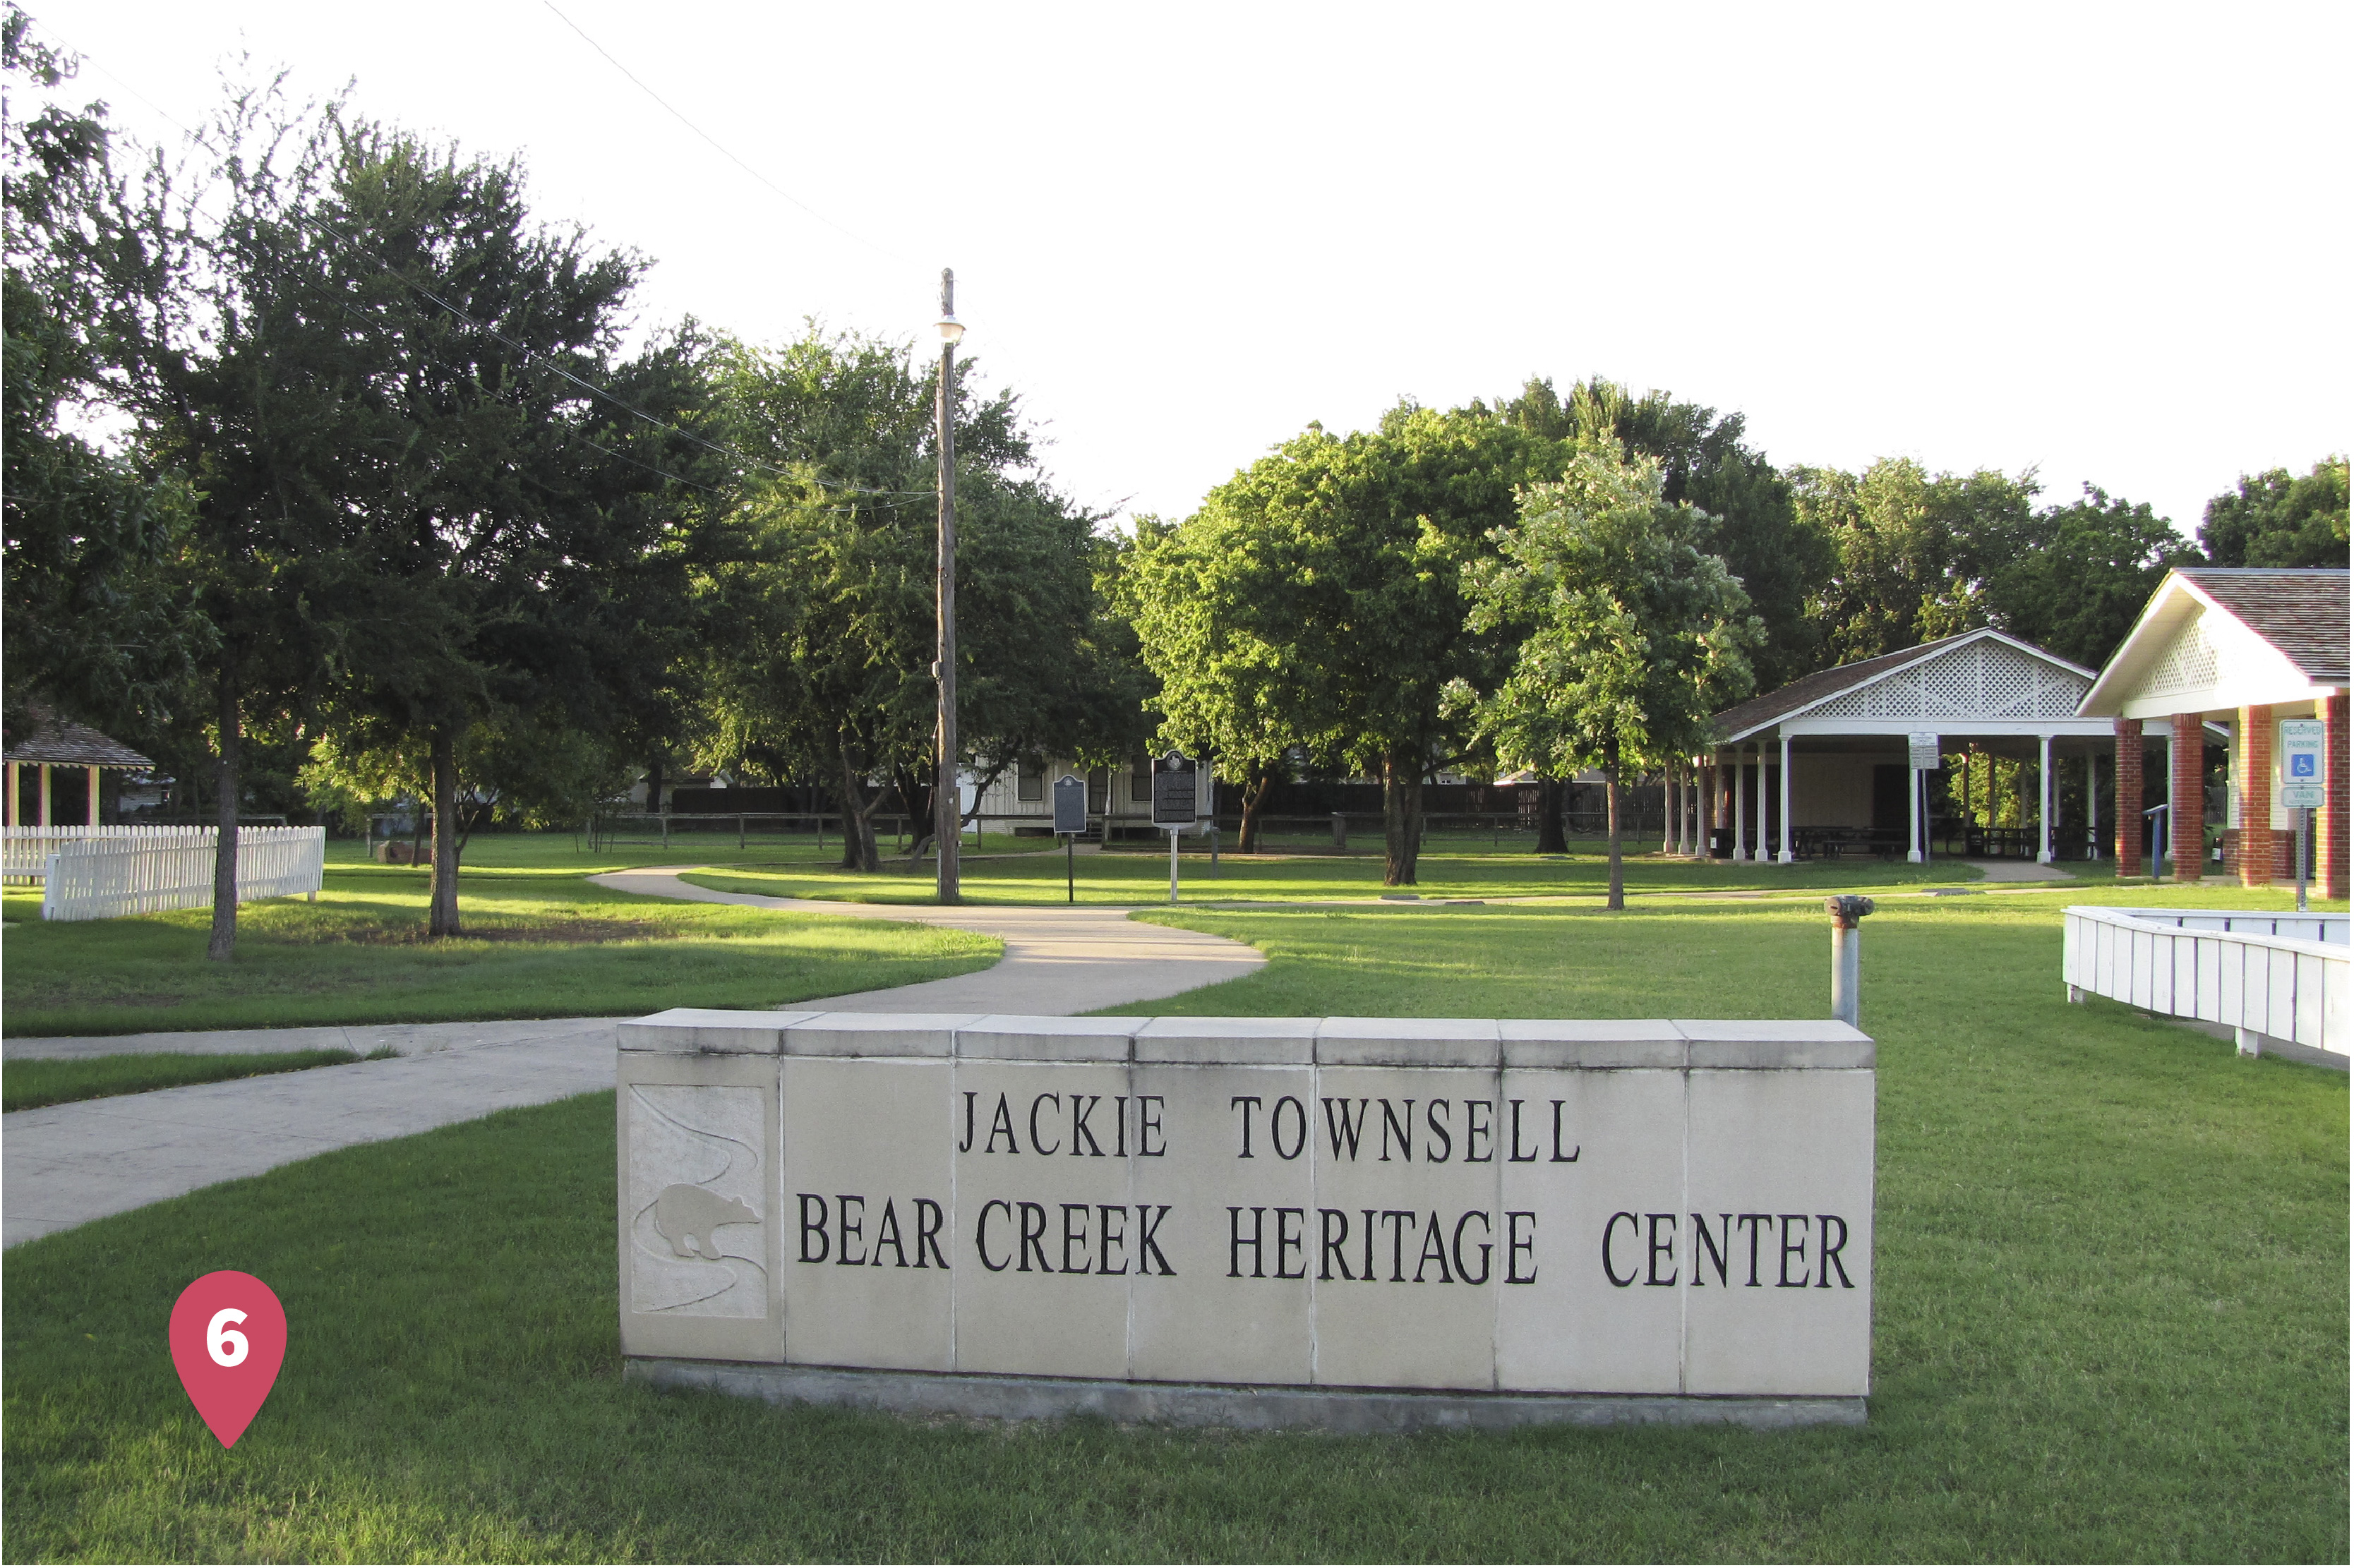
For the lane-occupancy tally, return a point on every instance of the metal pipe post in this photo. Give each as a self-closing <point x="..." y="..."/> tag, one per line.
<point x="1172" y="865"/>
<point x="947" y="810"/>
<point x="1847" y="911"/>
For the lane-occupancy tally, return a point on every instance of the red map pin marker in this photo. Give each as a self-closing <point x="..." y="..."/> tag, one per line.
<point x="229" y="1339"/>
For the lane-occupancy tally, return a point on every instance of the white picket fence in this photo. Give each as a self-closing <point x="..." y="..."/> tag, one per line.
<point x="25" y="852"/>
<point x="137" y="870"/>
<point x="2286" y="976"/>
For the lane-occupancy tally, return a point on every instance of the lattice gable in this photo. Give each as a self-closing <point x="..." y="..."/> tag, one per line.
<point x="2191" y="662"/>
<point x="1985" y="679"/>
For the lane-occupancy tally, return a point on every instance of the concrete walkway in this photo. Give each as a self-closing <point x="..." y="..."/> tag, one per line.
<point x="64" y="1165"/>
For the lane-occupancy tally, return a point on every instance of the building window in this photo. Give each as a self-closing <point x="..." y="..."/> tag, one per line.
<point x="1030" y="779"/>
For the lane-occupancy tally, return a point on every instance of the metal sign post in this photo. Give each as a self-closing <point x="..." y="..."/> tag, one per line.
<point x="2299" y="751"/>
<point x="1070" y="822"/>
<point x="1921" y="749"/>
<point x="1175" y="804"/>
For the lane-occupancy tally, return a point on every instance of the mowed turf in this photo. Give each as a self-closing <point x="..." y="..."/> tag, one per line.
<point x="1454" y="865"/>
<point x="540" y="941"/>
<point x="30" y="1084"/>
<point x="2111" y="1320"/>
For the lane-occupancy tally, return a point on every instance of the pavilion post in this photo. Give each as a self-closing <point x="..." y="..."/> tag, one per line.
<point x="10" y="820"/>
<point x="93" y="813"/>
<point x="2186" y="795"/>
<point x="46" y="820"/>
<point x="2251" y="771"/>
<point x="1913" y="814"/>
<point x="2043" y="801"/>
<point x="2128" y="772"/>
<point x="1740" y="810"/>
<point x="2093" y="806"/>
<point x="2330" y="834"/>
<point x="1789" y="852"/>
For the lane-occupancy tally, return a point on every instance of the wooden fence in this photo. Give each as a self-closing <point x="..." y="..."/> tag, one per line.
<point x="2263" y="974"/>
<point x="137" y="870"/>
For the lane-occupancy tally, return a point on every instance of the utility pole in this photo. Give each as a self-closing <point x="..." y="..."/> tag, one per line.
<point x="947" y="810"/>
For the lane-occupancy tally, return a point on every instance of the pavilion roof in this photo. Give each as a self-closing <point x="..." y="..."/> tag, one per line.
<point x="2301" y="611"/>
<point x="54" y="740"/>
<point x="1742" y="718"/>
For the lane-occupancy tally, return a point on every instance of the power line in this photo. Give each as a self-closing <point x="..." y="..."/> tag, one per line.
<point x="529" y="355"/>
<point x="717" y="146"/>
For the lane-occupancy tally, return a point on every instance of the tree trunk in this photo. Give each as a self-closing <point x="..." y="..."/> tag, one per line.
<point x="441" y="909"/>
<point x="857" y="822"/>
<point x="1550" y="840"/>
<point x="916" y="789"/>
<point x="1401" y="816"/>
<point x="1258" y="782"/>
<point x="222" y="947"/>
<point x="1617" y="899"/>
<point x="654" y="782"/>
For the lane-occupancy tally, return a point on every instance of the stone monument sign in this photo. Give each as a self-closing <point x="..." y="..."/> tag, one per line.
<point x="1654" y="1208"/>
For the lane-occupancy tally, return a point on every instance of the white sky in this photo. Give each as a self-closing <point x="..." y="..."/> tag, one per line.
<point x="2106" y="241"/>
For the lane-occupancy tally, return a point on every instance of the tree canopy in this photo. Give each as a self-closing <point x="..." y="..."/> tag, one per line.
<point x="2274" y="520"/>
<point x="1628" y="635"/>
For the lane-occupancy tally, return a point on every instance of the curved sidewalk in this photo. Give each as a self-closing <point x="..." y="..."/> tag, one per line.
<point x="1058" y="959"/>
<point x="64" y="1165"/>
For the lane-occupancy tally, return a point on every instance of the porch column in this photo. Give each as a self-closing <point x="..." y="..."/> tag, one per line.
<point x="1740" y="811"/>
<point x="2129" y="828"/>
<point x="2329" y="822"/>
<point x="2186" y="794"/>
<point x="45" y="797"/>
<point x="2092" y="805"/>
<point x="2251" y="771"/>
<point x="1912" y="813"/>
<point x="94" y="812"/>
<point x="2043" y="803"/>
<point x="10" y="820"/>
<point x="1790" y="855"/>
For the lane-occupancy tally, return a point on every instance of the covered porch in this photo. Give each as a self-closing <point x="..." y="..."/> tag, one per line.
<point x="1970" y="746"/>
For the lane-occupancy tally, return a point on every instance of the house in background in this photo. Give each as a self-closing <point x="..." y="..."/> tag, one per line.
<point x="2240" y="649"/>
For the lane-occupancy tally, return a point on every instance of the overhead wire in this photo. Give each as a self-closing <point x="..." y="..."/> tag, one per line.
<point x="531" y="356"/>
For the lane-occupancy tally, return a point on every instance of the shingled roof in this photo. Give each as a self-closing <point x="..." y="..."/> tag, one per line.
<point x="1809" y="690"/>
<point x="2301" y="611"/>
<point x="73" y="746"/>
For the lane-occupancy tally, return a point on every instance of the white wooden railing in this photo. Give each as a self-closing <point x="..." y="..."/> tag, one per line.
<point x="2285" y="976"/>
<point x="137" y="870"/>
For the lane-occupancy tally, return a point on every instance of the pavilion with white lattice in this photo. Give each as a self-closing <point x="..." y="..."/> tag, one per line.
<point x="1823" y="766"/>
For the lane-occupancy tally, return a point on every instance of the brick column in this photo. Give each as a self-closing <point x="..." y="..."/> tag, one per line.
<point x="2188" y="792"/>
<point x="2129" y="824"/>
<point x="2329" y="822"/>
<point x="2251" y="771"/>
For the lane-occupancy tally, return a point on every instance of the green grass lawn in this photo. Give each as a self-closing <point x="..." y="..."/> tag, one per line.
<point x="541" y="942"/>
<point x="30" y="1084"/>
<point x="2111" y="1319"/>
<point x="1457" y="866"/>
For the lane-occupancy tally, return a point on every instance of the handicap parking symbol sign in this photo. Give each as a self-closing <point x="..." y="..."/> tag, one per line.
<point x="2300" y="764"/>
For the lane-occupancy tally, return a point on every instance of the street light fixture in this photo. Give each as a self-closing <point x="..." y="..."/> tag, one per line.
<point x="948" y="814"/>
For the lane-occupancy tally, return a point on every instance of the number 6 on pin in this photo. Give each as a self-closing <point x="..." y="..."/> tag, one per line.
<point x="229" y="1339"/>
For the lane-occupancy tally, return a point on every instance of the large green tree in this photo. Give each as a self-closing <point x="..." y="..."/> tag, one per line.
<point x="1629" y="634"/>
<point x="1317" y="599"/>
<point x="824" y="616"/>
<point x="2274" y="520"/>
<point x="96" y="621"/>
<point x="230" y="341"/>
<point x="1782" y="557"/>
<point x="1911" y="549"/>
<point x="2074" y="578"/>
<point x="529" y="501"/>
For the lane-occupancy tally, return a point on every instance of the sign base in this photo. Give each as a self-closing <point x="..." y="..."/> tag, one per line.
<point x="1245" y="1408"/>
